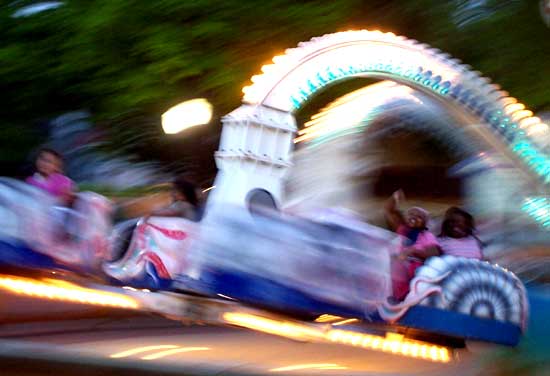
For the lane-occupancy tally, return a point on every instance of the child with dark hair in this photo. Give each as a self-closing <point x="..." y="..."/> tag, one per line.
<point x="457" y="236"/>
<point x="185" y="202"/>
<point x="49" y="176"/>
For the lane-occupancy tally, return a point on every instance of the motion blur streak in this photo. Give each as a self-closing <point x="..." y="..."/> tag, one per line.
<point x="327" y="318"/>
<point x="142" y="349"/>
<point x="344" y="322"/>
<point x="299" y="367"/>
<point x="166" y="353"/>
<point x="271" y="326"/>
<point x="348" y="112"/>
<point x="65" y="291"/>
<point x="392" y="343"/>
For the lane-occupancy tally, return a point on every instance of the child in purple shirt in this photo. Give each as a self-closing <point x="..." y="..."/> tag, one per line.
<point x="49" y="177"/>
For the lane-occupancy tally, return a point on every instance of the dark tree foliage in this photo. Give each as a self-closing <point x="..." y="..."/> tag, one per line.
<point x="127" y="61"/>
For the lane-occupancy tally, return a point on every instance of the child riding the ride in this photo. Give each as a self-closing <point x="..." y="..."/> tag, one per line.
<point x="418" y="243"/>
<point x="457" y="235"/>
<point x="185" y="202"/>
<point x="49" y="177"/>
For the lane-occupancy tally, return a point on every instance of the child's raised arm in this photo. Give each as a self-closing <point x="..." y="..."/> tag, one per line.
<point x="392" y="213"/>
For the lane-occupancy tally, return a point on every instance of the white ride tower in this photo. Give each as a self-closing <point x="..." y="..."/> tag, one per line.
<point x="254" y="154"/>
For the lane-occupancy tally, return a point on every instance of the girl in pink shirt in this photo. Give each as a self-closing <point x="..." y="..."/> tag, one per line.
<point x="48" y="176"/>
<point x="457" y="235"/>
<point x="418" y="243"/>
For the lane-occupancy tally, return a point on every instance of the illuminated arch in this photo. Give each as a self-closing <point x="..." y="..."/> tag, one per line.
<point x="346" y="138"/>
<point x="255" y="149"/>
<point x="356" y="113"/>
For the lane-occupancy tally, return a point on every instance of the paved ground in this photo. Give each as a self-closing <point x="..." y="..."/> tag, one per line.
<point x="155" y="340"/>
<point x="99" y="333"/>
<point x="147" y="340"/>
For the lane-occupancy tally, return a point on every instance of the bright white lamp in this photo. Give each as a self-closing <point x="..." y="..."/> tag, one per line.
<point x="187" y="114"/>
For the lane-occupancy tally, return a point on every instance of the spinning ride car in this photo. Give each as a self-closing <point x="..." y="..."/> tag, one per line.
<point x="299" y="267"/>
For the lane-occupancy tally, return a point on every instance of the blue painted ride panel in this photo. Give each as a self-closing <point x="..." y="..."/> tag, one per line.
<point x="264" y="293"/>
<point x="17" y="254"/>
<point x="271" y="295"/>
<point x="455" y="324"/>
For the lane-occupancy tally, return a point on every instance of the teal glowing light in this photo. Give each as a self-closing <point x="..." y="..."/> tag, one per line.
<point x="533" y="158"/>
<point x="539" y="209"/>
<point x="331" y="74"/>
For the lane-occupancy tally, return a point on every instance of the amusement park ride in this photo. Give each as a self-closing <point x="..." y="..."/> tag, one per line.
<point x="321" y="279"/>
